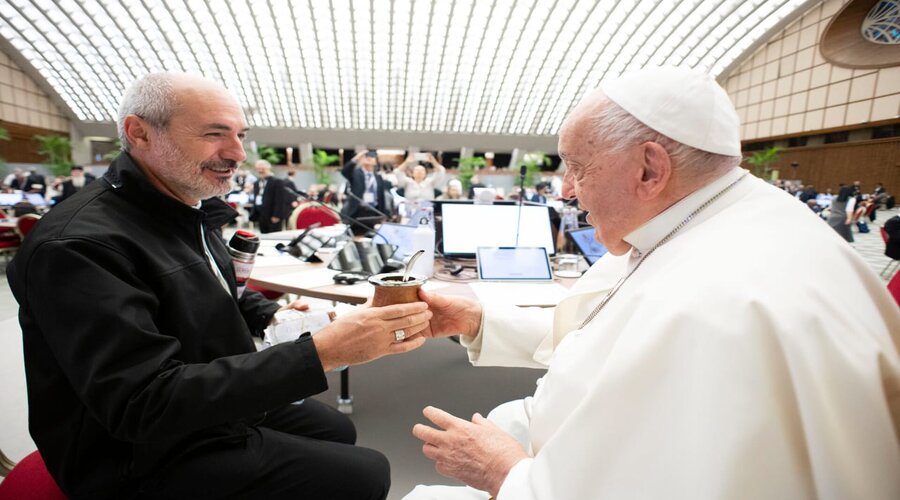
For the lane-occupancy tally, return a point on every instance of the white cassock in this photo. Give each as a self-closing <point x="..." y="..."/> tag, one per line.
<point x="754" y="355"/>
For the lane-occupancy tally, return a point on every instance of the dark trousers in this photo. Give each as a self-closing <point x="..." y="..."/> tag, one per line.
<point x="267" y="226"/>
<point x="300" y="451"/>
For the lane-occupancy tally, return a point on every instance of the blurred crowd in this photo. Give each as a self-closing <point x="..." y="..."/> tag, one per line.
<point x="369" y="188"/>
<point x="851" y="208"/>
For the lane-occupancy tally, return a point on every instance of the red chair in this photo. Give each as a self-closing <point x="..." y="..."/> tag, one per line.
<point x="9" y="243"/>
<point x="30" y="480"/>
<point x="311" y="215"/>
<point x="25" y="224"/>
<point x="894" y="287"/>
<point x="9" y="239"/>
<point x="269" y="294"/>
<point x="7" y="231"/>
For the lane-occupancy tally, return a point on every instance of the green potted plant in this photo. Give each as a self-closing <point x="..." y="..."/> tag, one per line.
<point x="58" y="150"/>
<point x="533" y="162"/>
<point x="321" y="159"/>
<point x="269" y="154"/>
<point x="113" y="153"/>
<point x="761" y="162"/>
<point x="467" y="168"/>
<point x="4" y="136"/>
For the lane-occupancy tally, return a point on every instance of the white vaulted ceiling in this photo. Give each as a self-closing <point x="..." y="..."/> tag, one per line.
<point x="464" y="66"/>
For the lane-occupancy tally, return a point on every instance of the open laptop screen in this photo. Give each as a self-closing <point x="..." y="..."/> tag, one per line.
<point x="465" y="227"/>
<point x="586" y="244"/>
<point x="399" y="235"/>
<point x="514" y="264"/>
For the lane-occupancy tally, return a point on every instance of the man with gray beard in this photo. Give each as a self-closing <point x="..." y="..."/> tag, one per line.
<point x="143" y="378"/>
<point x="77" y="181"/>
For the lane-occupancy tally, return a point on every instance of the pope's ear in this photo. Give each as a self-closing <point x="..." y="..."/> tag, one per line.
<point x="657" y="170"/>
<point x="137" y="131"/>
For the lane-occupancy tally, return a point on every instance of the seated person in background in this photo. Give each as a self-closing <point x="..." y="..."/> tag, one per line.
<point x="365" y="187"/>
<point x="666" y="379"/>
<point x="75" y="183"/>
<point x="541" y="193"/>
<point x="143" y="377"/>
<point x="454" y="191"/>
<point x="242" y="179"/>
<point x="421" y="186"/>
<point x="11" y="177"/>
<point x="862" y="208"/>
<point x="814" y="207"/>
<point x="30" y="182"/>
<point x="808" y="193"/>
<point x="824" y="199"/>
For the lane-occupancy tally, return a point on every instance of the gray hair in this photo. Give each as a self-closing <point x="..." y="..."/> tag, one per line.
<point x="621" y="130"/>
<point x="153" y="99"/>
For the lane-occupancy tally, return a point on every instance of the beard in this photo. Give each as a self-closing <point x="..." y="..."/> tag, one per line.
<point x="186" y="176"/>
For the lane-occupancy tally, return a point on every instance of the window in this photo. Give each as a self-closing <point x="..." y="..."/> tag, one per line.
<point x="886" y="131"/>
<point x="882" y="23"/>
<point x="836" y="137"/>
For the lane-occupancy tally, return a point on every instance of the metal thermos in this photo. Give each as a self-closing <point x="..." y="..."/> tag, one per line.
<point x="243" y="247"/>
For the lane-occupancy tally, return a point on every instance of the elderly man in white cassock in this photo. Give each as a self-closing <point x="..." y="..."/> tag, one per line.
<point x="709" y="356"/>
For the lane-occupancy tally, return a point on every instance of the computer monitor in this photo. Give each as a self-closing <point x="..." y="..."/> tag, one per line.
<point x="466" y="226"/>
<point x="589" y="247"/>
<point x="10" y="199"/>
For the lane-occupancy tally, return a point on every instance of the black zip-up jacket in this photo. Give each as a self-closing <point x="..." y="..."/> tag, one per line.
<point x="134" y="351"/>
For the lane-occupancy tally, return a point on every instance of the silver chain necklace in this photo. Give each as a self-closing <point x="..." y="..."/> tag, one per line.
<point x="660" y="243"/>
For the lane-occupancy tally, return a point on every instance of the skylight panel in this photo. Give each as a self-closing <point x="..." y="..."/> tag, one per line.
<point x="486" y="66"/>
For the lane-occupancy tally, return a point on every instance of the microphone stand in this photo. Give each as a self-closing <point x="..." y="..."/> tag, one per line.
<point x="522" y="171"/>
<point x="370" y="207"/>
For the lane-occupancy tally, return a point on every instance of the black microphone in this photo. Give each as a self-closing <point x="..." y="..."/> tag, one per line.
<point x="302" y="235"/>
<point x="522" y="171"/>
<point x="388" y="265"/>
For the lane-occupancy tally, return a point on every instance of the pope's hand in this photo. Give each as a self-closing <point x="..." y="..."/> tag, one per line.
<point x="370" y="333"/>
<point x="477" y="453"/>
<point x="453" y="315"/>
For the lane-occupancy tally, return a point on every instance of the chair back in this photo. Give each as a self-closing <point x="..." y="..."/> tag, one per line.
<point x="894" y="287"/>
<point x="311" y="215"/>
<point x="25" y="224"/>
<point x="30" y="480"/>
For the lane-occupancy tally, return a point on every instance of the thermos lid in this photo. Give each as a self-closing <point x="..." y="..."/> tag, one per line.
<point x="244" y="241"/>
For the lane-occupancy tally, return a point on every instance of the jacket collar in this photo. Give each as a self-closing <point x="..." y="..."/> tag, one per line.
<point x="125" y="177"/>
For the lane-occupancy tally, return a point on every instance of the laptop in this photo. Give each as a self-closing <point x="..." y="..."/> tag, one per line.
<point x="424" y="208"/>
<point x="398" y="235"/>
<point x="519" y="276"/>
<point x="584" y="241"/>
<point x="509" y="264"/>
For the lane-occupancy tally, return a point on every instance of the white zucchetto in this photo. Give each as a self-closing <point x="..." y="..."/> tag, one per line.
<point x="684" y="104"/>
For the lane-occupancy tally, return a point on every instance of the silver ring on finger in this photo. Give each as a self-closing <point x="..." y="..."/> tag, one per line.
<point x="399" y="335"/>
